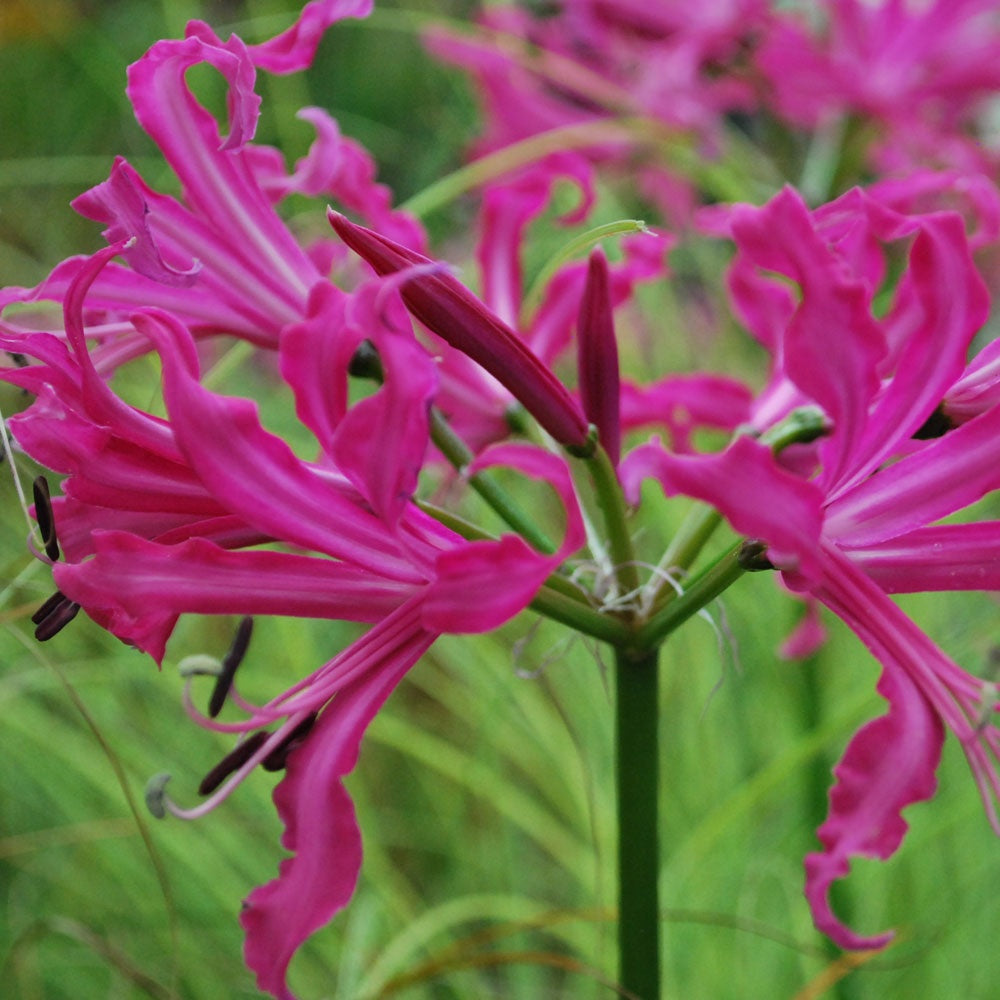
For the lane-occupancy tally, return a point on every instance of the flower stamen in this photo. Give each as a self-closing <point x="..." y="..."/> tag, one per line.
<point x="53" y="616"/>
<point x="44" y="516"/>
<point x="233" y="761"/>
<point x="230" y="663"/>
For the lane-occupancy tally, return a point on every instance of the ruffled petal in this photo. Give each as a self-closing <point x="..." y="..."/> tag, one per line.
<point x="832" y="345"/>
<point x="320" y="826"/>
<point x="889" y="764"/>
<point x="480" y="585"/>
<point x="382" y="440"/>
<point x="219" y="187"/>
<point x="222" y="438"/>
<point x="745" y="483"/>
<point x="294" y="49"/>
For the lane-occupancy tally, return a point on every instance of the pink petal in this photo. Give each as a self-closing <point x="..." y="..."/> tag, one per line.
<point x="219" y="188"/>
<point x="683" y="403"/>
<point x="119" y="202"/>
<point x="941" y="557"/>
<point x="506" y="212"/>
<point x="745" y="483"/>
<point x="480" y="585"/>
<point x="946" y="304"/>
<point x="832" y="345"/>
<point x="807" y="637"/>
<point x="137" y="577"/>
<point x="945" y="476"/>
<point x="293" y="50"/>
<point x="320" y="826"/>
<point x="382" y="440"/>
<point x="256" y="475"/>
<point x="889" y="764"/>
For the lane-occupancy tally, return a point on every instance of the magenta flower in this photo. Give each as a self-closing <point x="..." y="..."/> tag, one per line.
<point x="680" y="66"/>
<point x="922" y="73"/>
<point x="866" y="523"/>
<point x="219" y="257"/>
<point x="161" y="518"/>
<point x="204" y="511"/>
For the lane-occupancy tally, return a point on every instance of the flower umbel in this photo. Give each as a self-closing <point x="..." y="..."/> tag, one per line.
<point x="454" y="452"/>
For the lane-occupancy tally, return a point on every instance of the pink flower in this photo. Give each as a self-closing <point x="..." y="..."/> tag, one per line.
<point x="592" y="60"/>
<point x="921" y="72"/>
<point x="866" y="522"/>
<point x="164" y="517"/>
<point x="219" y="257"/>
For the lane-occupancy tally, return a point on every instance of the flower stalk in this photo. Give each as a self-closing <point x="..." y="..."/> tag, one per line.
<point x="637" y="773"/>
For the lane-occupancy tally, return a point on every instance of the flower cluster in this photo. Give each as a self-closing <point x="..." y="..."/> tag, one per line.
<point x="842" y="473"/>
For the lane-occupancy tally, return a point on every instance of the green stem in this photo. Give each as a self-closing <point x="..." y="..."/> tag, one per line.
<point x="608" y="492"/>
<point x="557" y="605"/>
<point x="457" y="452"/>
<point x="695" y="531"/>
<point x="699" y="592"/>
<point x="568" y="252"/>
<point x="636" y="737"/>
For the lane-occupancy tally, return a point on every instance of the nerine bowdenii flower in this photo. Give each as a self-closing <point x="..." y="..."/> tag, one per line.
<point x="863" y="511"/>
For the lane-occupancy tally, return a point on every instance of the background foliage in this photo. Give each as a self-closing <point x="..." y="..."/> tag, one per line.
<point x="484" y="790"/>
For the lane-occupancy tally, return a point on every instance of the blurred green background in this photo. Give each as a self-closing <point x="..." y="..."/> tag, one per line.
<point x="484" y="789"/>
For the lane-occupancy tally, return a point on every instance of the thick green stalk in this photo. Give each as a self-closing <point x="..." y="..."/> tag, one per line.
<point x="637" y="770"/>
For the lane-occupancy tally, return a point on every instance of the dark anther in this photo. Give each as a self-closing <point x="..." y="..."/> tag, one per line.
<point x="43" y="514"/>
<point x="936" y="425"/>
<point x="230" y="662"/>
<point x="233" y="761"/>
<point x="278" y="757"/>
<point x="53" y="616"/>
<point x="752" y="556"/>
<point x="366" y="363"/>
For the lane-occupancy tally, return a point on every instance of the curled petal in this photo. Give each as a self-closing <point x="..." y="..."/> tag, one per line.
<point x="838" y="371"/>
<point x="293" y="50"/>
<point x="285" y="498"/>
<point x="889" y="764"/>
<point x="119" y="202"/>
<point x="745" y="483"/>
<point x="320" y="826"/>
<point x="381" y="442"/>
<point x="481" y="585"/>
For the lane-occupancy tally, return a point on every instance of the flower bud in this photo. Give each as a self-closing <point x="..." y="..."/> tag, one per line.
<point x="447" y="308"/>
